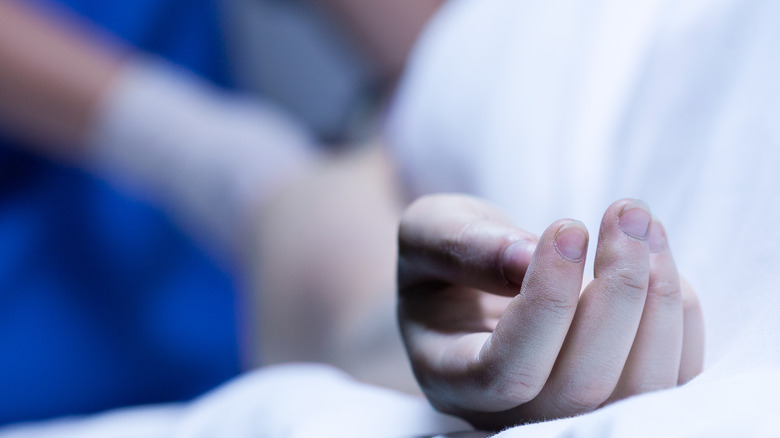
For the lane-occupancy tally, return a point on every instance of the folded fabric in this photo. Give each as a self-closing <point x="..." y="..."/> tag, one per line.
<point x="282" y="401"/>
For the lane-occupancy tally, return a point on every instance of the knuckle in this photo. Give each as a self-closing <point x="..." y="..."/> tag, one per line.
<point x="555" y="305"/>
<point x="455" y="247"/>
<point x="667" y="291"/>
<point x="585" y="397"/>
<point x="631" y="281"/>
<point x="515" y="386"/>
<point x="459" y="248"/>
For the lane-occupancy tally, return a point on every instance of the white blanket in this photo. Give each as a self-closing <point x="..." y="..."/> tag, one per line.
<point x="293" y="401"/>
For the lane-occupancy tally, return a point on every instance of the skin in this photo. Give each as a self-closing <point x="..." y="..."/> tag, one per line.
<point x="51" y="78"/>
<point x="500" y="332"/>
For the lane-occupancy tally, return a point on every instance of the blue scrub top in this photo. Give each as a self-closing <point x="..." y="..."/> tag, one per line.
<point x="103" y="302"/>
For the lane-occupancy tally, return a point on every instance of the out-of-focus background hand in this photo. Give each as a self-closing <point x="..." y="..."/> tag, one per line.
<point x="499" y="333"/>
<point x="169" y="167"/>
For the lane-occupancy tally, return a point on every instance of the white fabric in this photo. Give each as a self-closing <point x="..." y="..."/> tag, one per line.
<point x="208" y="157"/>
<point x="294" y="401"/>
<point x="558" y="108"/>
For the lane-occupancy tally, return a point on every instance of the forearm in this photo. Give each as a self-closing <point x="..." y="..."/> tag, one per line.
<point x="51" y="78"/>
<point x="388" y="29"/>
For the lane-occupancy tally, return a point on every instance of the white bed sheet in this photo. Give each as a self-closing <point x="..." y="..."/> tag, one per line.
<point x="292" y="401"/>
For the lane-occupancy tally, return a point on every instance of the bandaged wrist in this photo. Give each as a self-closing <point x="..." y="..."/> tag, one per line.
<point x="208" y="158"/>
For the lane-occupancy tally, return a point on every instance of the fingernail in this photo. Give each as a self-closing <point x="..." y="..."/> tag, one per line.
<point x="635" y="219"/>
<point x="517" y="257"/>
<point x="657" y="237"/>
<point x="571" y="241"/>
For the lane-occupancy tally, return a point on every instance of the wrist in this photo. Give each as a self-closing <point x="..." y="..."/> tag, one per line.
<point x="207" y="157"/>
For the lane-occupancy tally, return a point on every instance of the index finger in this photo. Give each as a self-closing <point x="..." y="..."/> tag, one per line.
<point x="462" y="240"/>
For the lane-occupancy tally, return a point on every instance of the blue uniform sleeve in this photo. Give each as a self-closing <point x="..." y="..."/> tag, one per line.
<point x="103" y="302"/>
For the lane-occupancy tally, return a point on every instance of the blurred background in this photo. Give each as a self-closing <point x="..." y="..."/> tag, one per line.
<point x="105" y="300"/>
<point x="302" y="57"/>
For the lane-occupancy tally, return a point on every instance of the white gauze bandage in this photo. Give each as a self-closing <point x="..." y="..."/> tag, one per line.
<point x="207" y="157"/>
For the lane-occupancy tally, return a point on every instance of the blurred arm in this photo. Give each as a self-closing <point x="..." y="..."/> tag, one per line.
<point x="51" y="78"/>
<point x="330" y="296"/>
<point x="388" y="29"/>
<point x="206" y="157"/>
<point x="119" y="115"/>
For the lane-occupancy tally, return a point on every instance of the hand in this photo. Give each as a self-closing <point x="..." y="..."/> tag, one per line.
<point x="498" y="332"/>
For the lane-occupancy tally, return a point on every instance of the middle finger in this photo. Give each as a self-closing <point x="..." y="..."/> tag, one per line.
<point x="607" y="317"/>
